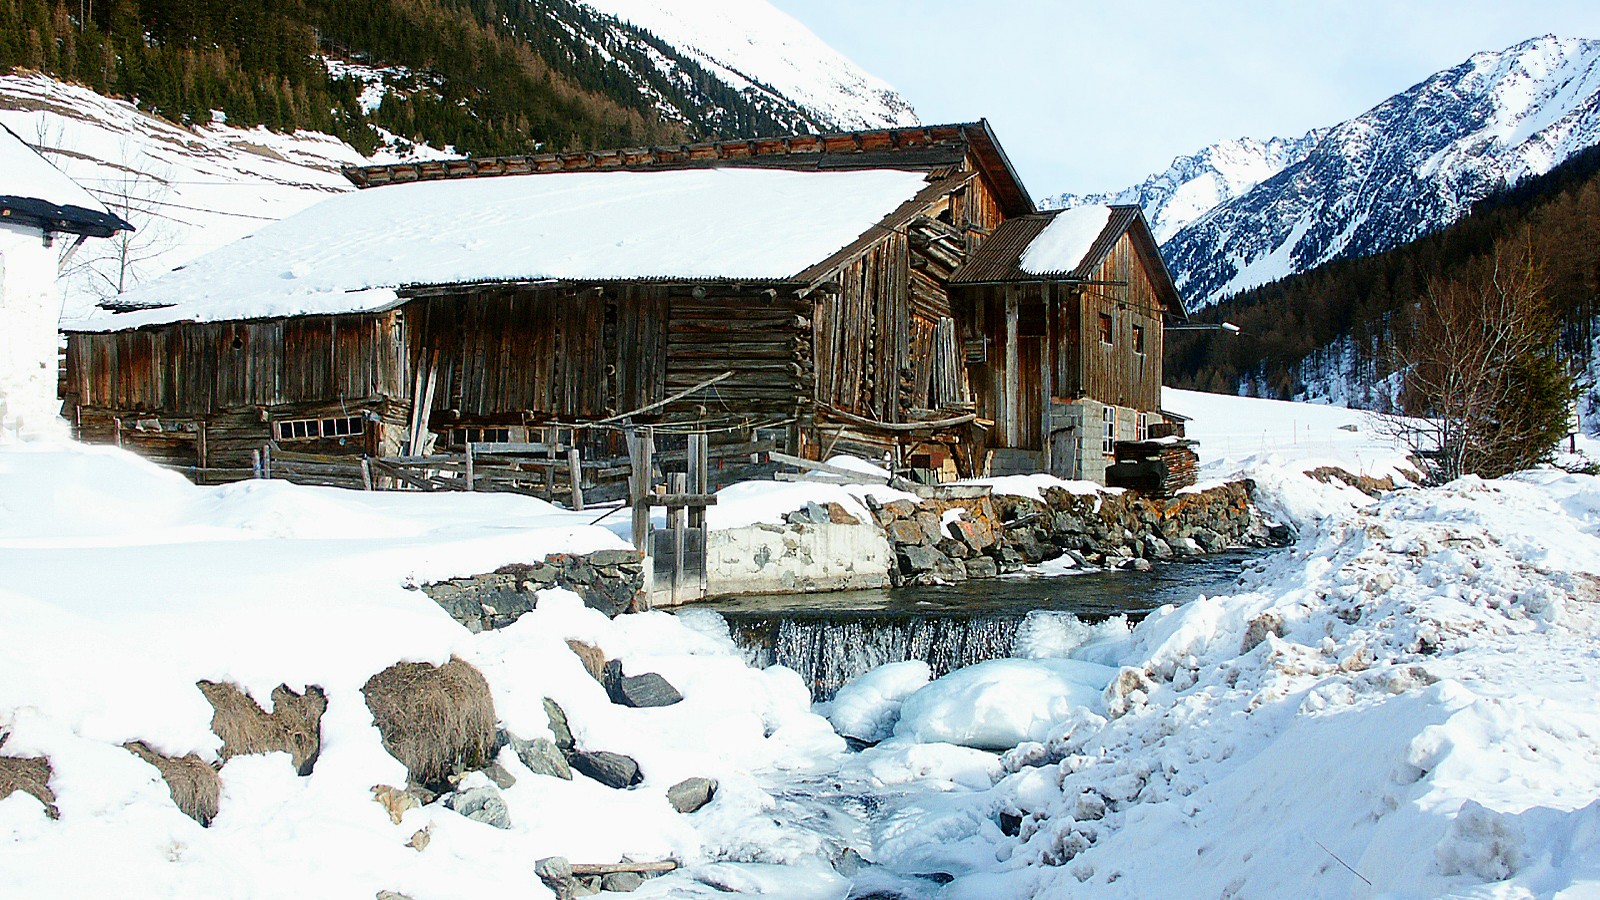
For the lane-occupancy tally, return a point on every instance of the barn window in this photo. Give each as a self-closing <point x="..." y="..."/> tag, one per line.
<point x="1143" y="428"/>
<point x="1105" y="328"/>
<point x="312" y="429"/>
<point x="1108" y="443"/>
<point x="1138" y="339"/>
<point x="460" y="437"/>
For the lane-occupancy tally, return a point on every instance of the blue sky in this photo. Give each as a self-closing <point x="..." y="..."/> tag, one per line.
<point x="1091" y="96"/>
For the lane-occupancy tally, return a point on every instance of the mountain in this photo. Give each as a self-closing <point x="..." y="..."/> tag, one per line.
<point x="1408" y="166"/>
<point x="769" y="58"/>
<point x="1320" y="335"/>
<point x="1194" y="185"/>
<point x="481" y="76"/>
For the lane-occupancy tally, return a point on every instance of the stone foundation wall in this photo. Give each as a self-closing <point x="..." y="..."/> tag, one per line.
<point x="611" y="581"/>
<point x="1001" y="534"/>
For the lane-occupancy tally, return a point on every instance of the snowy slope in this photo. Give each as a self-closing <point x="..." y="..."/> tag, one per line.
<point x="758" y="50"/>
<point x="1195" y="184"/>
<point x="1410" y="165"/>
<point x="187" y="191"/>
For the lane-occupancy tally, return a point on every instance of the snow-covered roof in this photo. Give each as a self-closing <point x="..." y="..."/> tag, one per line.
<point x="1063" y="244"/>
<point x="37" y="194"/>
<point x="353" y="253"/>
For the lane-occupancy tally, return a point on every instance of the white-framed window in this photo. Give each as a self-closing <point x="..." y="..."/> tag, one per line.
<point x="1143" y="432"/>
<point x="1108" y="441"/>
<point x="313" y="429"/>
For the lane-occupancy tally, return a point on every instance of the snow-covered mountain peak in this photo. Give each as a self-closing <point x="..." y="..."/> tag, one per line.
<point x="1194" y="184"/>
<point x="758" y="49"/>
<point x="1411" y="164"/>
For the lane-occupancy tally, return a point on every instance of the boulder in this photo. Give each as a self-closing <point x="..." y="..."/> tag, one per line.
<point x="1156" y="547"/>
<point x="483" y="804"/>
<point x="901" y="509"/>
<point x="638" y="691"/>
<point x="558" y="725"/>
<point x="838" y="515"/>
<point x="976" y="535"/>
<point x="953" y="549"/>
<point x="498" y="774"/>
<point x="621" y="882"/>
<point x="906" y="532"/>
<point x="812" y="513"/>
<point x="556" y="873"/>
<point x="690" y="794"/>
<point x="541" y="756"/>
<point x="917" y="559"/>
<point x="982" y="567"/>
<point x="647" y="690"/>
<point x="610" y="769"/>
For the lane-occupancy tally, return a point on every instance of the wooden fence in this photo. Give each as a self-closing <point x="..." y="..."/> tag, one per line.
<point x="557" y="473"/>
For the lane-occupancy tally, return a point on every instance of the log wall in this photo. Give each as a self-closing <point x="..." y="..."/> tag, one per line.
<point x="1114" y="373"/>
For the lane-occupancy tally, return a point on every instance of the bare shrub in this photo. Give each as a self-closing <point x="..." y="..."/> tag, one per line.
<point x="1484" y="390"/>
<point x="437" y="720"/>
<point x="30" y="775"/>
<point x="194" y="785"/>
<point x="293" y="726"/>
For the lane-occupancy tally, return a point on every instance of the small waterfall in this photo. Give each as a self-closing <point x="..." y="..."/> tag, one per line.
<point x="829" y="651"/>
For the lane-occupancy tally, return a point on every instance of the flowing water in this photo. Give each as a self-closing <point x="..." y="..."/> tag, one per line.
<point x="832" y="638"/>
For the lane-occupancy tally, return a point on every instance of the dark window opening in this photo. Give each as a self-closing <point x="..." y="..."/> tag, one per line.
<point x="1105" y="328"/>
<point x="1138" y="339"/>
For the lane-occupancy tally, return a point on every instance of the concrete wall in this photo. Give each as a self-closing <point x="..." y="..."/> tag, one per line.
<point x="788" y="559"/>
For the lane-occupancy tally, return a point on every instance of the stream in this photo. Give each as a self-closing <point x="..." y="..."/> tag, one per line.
<point x="831" y="638"/>
<point x="846" y="808"/>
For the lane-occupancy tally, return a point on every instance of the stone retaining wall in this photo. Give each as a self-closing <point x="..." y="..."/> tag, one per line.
<point x="823" y="549"/>
<point x="611" y="581"/>
<point x="1001" y="534"/>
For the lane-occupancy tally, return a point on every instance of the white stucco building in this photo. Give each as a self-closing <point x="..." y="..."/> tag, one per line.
<point x="43" y="215"/>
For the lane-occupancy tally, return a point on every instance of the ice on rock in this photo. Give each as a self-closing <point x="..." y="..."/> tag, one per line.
<point x="868" y="707"/>
<point x="1001" y="703"/>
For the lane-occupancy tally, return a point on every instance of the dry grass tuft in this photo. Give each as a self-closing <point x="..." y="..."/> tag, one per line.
<point x="437" y="720"/>
<point x="30" y="775"/>
<point x="293" y="726"/>
<point x="193" y="783"/>
<point x="594" y="659"/>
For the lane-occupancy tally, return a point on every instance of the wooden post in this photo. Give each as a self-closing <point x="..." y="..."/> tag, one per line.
<point x="469" y="465"/>
<point x="575" y="472"/>
<point x="641" y="446"/>
<point x="1013" y="389"/>
<point x="699" y="460"/>
<point x="266" y="461"/>
<point x="201" y="454"/>
<point x="366" y="474"/>
<point x="677" y="483"/>
<point x="255" y="463"/>
<point x="117" y="421"/>
<point x="1046" y="375"/>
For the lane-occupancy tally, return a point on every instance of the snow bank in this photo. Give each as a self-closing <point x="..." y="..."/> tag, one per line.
<point x="122" y="584"/>
<point x="998" y="704"/>
<point x="867" y="707"/>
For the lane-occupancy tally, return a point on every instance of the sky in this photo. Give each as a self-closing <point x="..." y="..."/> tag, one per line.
<point x="1098" y="96"/>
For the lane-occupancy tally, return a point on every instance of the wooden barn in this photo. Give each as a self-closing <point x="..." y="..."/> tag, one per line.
<point x="893" y="294"/>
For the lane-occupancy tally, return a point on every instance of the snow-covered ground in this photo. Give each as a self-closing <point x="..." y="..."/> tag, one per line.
<point x="1400" y="705"/>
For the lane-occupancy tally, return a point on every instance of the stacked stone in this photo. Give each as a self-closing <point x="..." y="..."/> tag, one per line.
<point x="1001" y="534"/>
<point x="611" y="581"/>
<point x="929" y="552"/>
